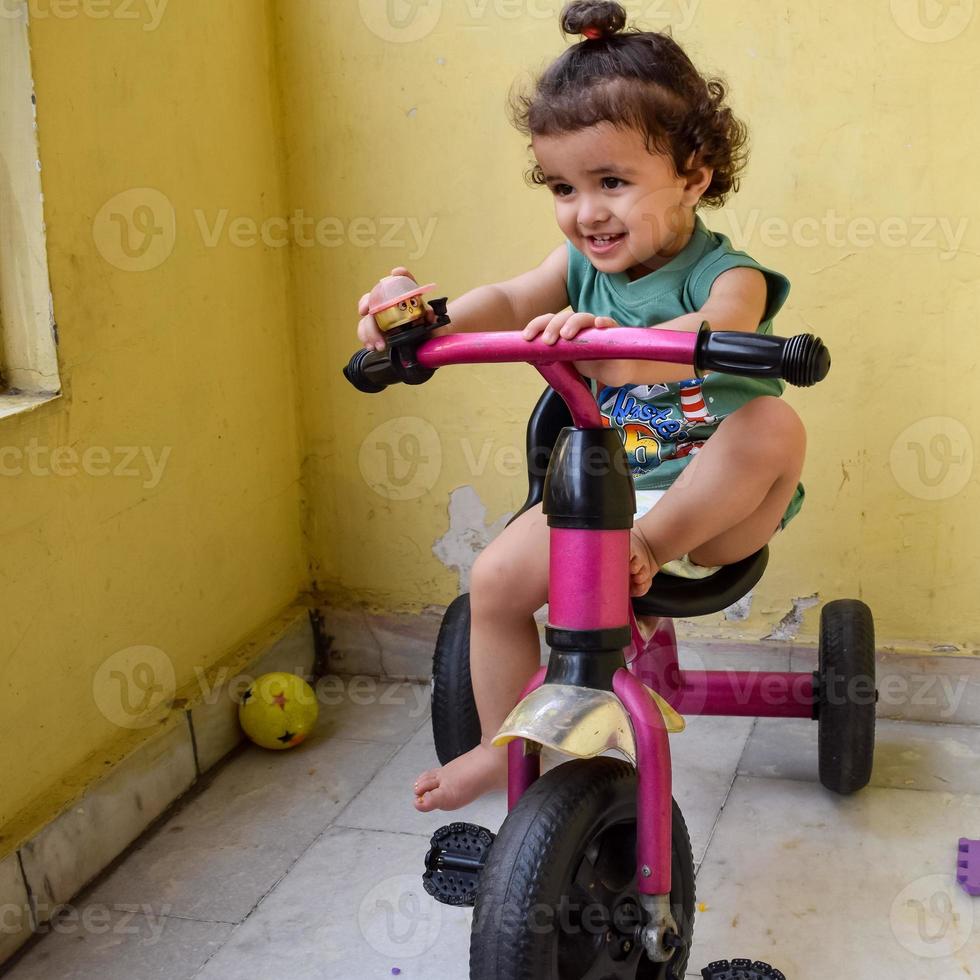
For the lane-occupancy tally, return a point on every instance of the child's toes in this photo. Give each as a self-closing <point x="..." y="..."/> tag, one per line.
<point x="427" y="781"/>
<point x="424" y="804"/>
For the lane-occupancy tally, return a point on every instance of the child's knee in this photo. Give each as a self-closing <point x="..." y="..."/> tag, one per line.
<point x="500" y="579"/>
<point x="488" y="579"/>
<point x="775" y="424"/>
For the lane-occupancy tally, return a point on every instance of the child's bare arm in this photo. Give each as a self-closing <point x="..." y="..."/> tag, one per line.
<point x="507" y="305"/>
<point x="510" y="304"/>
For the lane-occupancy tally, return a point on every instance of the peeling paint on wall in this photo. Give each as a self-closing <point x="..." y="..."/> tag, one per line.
<point x="468" y="533"/>
<point x="740" y="610"/>
<point x="790" y="624"/>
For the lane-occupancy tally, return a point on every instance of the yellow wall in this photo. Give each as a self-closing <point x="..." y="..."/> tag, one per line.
<point x="193" y="356"/>
<point x="379" y="134"/>
<point x="856" y="110"/>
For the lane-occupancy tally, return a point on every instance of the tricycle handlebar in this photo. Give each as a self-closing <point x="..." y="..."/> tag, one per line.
<point x="802" y="360"/>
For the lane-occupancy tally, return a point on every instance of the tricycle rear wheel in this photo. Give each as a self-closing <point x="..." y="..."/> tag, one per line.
<point x="455" y="722"/>
<point x="846" y="695"/>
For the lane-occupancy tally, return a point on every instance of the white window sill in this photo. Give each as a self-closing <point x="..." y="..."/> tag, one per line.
<point x="15" y="404"/>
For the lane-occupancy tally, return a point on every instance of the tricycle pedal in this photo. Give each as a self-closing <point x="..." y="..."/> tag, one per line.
<point x="741" y="970"/>
<point x="453" y="864"/>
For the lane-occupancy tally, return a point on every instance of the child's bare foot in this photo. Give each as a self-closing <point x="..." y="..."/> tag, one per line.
<point x="643" y="565"/>
<point x="463" y="780"/>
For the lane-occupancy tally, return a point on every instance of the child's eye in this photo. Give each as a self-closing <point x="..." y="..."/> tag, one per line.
<point x="611" y="183"/>
<point x="562" y="190"/>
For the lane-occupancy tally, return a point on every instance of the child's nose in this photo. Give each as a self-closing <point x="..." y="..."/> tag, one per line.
<point x="592" y="212"/>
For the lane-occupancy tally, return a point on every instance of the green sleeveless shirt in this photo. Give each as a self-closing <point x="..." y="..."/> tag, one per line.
<point x="664" y="425"/>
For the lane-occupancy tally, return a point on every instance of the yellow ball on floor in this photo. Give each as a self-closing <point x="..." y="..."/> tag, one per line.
<point x="278" y="710"/>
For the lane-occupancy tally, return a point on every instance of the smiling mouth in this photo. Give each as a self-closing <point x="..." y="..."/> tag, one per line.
<point x="604" y="243"/>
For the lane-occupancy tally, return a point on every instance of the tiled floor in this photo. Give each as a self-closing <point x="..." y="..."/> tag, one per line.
<point x="307" y="864"/>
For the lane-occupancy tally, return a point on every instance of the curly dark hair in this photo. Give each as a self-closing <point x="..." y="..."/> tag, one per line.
<point x="635" y="79"/>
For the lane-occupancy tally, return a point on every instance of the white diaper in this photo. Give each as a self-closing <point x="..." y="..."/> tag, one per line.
<point x="682" y="567"/>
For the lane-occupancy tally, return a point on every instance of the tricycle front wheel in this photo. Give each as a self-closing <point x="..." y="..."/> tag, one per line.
<point x="558" y="897"/>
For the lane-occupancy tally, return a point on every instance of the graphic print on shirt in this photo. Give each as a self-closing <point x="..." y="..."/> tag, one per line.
<point x="656" y="425"/>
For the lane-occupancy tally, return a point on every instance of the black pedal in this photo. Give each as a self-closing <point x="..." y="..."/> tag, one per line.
<point x="454" y="862"/>
<point x="741" y="970"/>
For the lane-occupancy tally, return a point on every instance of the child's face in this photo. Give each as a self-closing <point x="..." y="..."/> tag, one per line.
<point x="623" y="207"/>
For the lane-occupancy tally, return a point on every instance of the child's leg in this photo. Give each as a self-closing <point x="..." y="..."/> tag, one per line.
<point x="509" y="583"/>
<point x="729" y="500"/>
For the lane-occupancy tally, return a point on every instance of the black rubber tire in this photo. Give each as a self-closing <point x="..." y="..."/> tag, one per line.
<point x="847" y="696"/>
<point x="455" y="722"/>
<point x="539" y="851"/>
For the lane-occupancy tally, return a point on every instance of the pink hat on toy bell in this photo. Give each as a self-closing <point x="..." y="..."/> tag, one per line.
<point x="392" y="290"/>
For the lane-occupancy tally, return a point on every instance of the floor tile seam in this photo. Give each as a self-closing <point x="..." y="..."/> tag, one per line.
<point x="426" y="720"/>
<point x="258" y="902"/>
<point x="359" y="741"/>
<point x="292" y="863"/>
<point x="728" y="793"/>
<point x="374" y="741"/>
<point x="215" y="952"/>
<point x="275" y="884"/>
<point x="927" y="722"/>
<point x="897" y="789"/>
<point x="184" y="917"/>
<point x="303" y="851"/>
<point x="395" y="749"/>
<point x="421" y="835"/>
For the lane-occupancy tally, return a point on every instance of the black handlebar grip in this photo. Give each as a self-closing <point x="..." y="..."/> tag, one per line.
<point x="802" y="360"/>
<point x="371" y="371"/>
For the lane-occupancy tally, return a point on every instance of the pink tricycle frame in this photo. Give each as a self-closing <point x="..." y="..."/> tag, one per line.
<point x="589" y="590"/>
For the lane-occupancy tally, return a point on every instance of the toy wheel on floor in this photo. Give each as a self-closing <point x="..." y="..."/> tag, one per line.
<point x="455" y="722"/>
<point x="741" y="970"/>
<point x="846" y="695"/>
<point x="558" y="899"/>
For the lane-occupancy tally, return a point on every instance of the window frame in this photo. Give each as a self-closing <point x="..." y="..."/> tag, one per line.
<point x="28" y="336"/>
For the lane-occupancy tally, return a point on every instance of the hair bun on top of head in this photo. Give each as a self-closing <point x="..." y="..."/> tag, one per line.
<point x="595" y="19"/>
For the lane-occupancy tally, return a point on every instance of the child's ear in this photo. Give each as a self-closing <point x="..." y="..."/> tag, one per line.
<point x="697" y="180"/>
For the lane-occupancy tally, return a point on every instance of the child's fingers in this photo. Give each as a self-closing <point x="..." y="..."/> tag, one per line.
<point x="604" y="322"/>
<point x="364" y="304"/>
<point x="575" y="323"/>
<point x="553" y="330"/>
<point x="369" y="334"/>
<point x="535" y="326"/>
